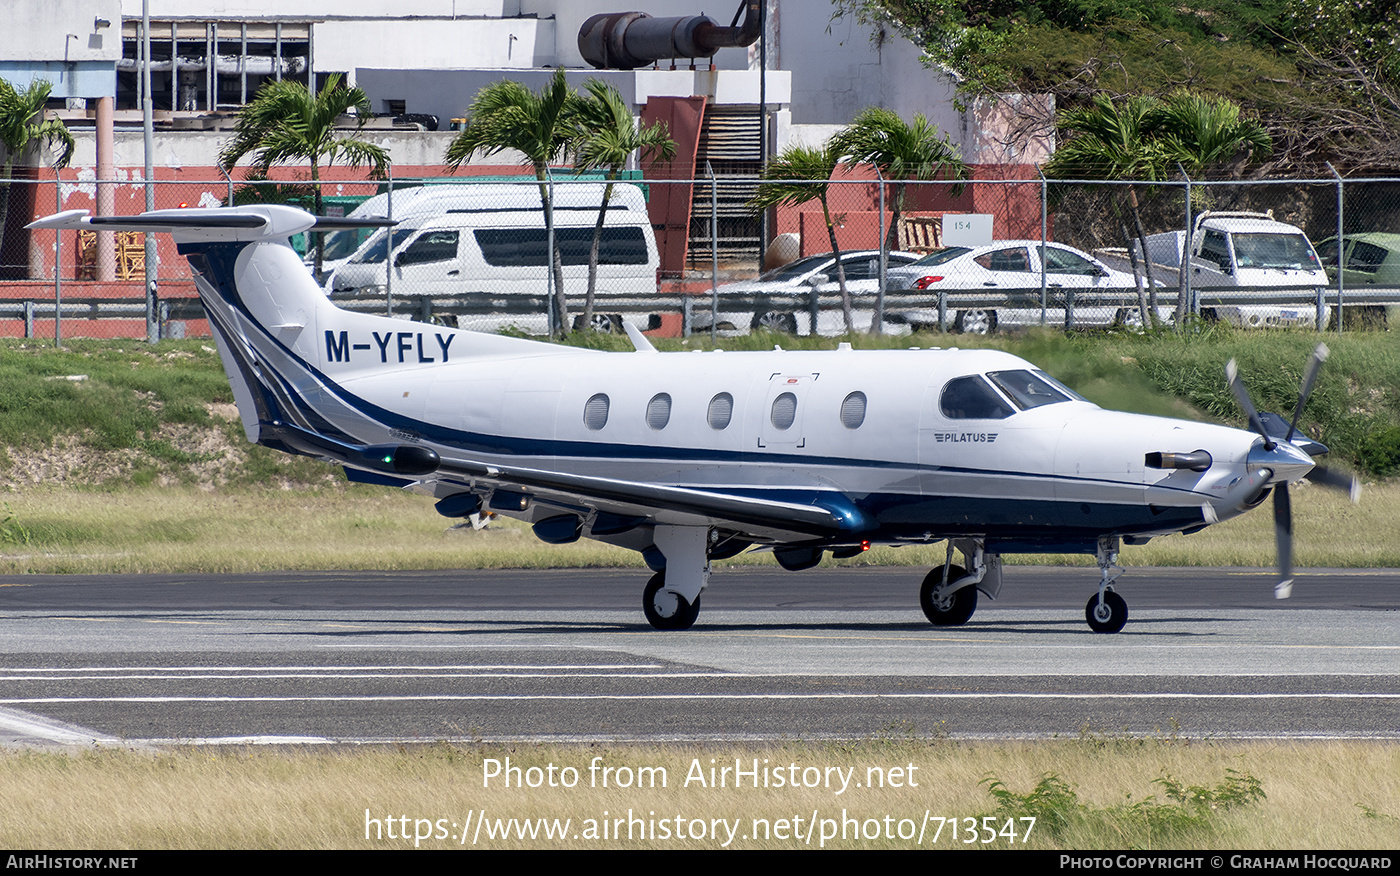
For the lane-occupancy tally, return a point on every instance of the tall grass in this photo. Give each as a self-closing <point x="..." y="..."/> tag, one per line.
<point x="1097" y="792"/>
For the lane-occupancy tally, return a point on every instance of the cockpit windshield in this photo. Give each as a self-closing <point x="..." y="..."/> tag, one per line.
<point x="1031" y="389"/>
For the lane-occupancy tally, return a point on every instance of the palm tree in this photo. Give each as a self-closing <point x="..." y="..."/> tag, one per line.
<point x="903" y="151"/>
<point x="22" y="123"/>
<point x="1147" y="138"/>
<point x="1116" y="141"/>
<point x="800" y="174"/>
<point x="607" y="136"/>
<point x="284" y="124"/>
<point x="508" y="116"/>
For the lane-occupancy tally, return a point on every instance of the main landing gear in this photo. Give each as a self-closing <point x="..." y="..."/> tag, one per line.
<point x="949" y="592"/>
<point x="671" y="600"/>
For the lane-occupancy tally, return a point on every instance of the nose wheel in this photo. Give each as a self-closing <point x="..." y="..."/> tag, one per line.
<point x="1107" y="614"/>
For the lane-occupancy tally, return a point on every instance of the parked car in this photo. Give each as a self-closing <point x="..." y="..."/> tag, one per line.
<point x="1251" y="253"/>
<point x="799" y="277"/>
<point x="1372" y="259"/>
<point x="999" y="285"/>
<point x="1370" y="273"/>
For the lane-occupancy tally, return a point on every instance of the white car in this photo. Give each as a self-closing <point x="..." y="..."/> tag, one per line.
<point x="999" y="285"/>
<point x="799" y="277"/>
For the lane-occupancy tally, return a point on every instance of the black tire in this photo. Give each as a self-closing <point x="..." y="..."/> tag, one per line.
<point x="666" y="610"/>
<point x="976" y="321"/>
<point x="1108" y="618"/>
<point x="775" y="321"/>
<point x="954" y="610"/>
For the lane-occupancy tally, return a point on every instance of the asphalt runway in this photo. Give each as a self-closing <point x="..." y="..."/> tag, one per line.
<point x="565" y="655"/>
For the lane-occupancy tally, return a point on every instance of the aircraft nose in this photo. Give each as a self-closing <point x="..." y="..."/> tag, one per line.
<point x="1285" y="462"/>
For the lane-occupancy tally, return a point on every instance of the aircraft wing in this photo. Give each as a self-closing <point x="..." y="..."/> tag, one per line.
<point x="829" y="519"/>
<point x="829" y="515"/>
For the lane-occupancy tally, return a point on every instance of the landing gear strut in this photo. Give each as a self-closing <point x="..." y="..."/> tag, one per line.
<point x="671" y="600"/>
<point x="1106" y="611"/>
<point x="949" y="593"/>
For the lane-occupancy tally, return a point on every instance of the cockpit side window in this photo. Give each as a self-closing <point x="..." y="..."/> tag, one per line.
<point x="1030" y="389"/>
<point x="971" y="398"/>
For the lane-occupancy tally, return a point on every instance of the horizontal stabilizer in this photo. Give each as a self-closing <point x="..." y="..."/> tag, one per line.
<point x="244" y="223"/>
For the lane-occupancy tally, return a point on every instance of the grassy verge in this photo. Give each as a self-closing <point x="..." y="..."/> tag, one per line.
<point x="183" y="529"/>
<point x="141" y="465"/>
<point x="1097" y="792"/>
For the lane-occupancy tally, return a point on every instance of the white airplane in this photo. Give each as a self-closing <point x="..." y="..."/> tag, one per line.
<point x="692" y="457"/>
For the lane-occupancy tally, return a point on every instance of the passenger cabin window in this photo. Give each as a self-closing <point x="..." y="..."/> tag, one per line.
<point x="659" y="411"/>
<point x="972" y="398"/>
<point x="721" y="411"/>
<point x="853" y="410"/>
<point x="595" y="412"/>
<point x="784" y="411"/>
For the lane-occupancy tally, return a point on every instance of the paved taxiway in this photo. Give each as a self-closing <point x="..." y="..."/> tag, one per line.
<point x="566" y="654"/>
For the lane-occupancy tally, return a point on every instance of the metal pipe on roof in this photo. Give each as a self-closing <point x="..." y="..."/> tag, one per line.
<point x="627" y="40"/>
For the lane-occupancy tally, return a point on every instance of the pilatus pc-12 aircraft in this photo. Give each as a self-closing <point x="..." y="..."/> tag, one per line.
<point x="692" y="457"/>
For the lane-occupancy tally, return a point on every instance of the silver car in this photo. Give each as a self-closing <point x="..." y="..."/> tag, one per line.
<point x="745" y="305"/>
<point x="999" y="285"/>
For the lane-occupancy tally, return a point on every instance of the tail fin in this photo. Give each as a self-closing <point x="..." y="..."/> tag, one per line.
<point x="286" y="348"/>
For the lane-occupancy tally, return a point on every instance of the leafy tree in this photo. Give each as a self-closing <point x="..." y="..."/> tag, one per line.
<point x="540" y="126"/>
<point x="1323" y="76"/>
<point x="22" y="124"/>
<point x="284" y="124"/>
<point x="607" y="136"/>
<point x="800" y="174"/>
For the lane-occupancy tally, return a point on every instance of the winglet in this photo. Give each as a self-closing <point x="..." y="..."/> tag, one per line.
<point x="639" y="340"/>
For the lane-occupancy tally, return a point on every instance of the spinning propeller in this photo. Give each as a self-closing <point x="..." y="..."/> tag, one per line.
<point x="1280" y="457"/>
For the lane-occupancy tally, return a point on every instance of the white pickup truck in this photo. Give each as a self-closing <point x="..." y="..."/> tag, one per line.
<point x="1238" y="258"/>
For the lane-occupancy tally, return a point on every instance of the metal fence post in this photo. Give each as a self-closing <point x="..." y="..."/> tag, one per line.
<point x="389" y="249"/>
<point x="1183" y="274"/>
<point x="714" y="258"/>
<point x="1341" y="248"/>
<point x="877" y="322"/>
<point x="1044" y="233"/>
<point x="58" y="264"/>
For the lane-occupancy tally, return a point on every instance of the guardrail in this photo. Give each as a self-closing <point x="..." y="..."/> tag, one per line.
<point x="1060" y="307"/>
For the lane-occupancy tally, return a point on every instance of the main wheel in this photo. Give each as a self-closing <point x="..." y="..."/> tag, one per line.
<point x="666" y="610"/>
<point x="952" y="609"/>
<point x="775" y="321"/>
<point x="975" y="322"/>
<point x="1108" y="617"/>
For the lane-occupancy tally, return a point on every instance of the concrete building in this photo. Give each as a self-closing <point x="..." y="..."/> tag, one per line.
<point x="421" y="62"/>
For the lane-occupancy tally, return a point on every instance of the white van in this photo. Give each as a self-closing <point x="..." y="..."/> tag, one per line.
<point x="491" y="242"/>
<point x="340" y="245"/>
<point x="1248" y="251"/>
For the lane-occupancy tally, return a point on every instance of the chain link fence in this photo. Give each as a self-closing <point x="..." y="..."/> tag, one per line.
<point x="679" y="257"/>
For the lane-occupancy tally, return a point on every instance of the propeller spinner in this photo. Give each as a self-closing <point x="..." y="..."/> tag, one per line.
<point x="1285" y="462"/>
